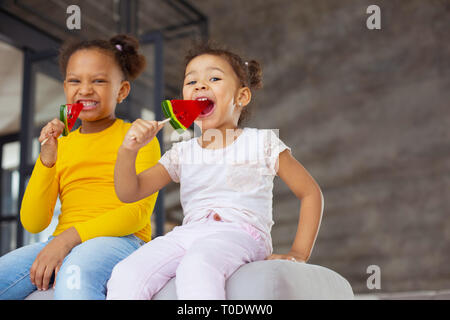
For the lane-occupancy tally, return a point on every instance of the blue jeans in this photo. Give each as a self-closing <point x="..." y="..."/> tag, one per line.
<point x="83" y="274"/>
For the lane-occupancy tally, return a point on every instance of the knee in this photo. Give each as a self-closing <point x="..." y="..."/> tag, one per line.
<point x="123" y="272"/>
<point x="124" y="281"/>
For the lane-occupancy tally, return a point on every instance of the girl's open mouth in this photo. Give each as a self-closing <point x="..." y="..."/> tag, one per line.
<point x="208" y="110"/>
<point x="88" y="104"/>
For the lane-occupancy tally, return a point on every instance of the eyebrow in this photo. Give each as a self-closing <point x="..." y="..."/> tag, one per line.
<point x="209" y="68"/>
<point x="95" y="75"/>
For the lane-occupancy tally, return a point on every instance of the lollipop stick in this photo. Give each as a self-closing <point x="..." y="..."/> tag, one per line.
<point x="163" y="121"/>
<point x="43" y="142"/>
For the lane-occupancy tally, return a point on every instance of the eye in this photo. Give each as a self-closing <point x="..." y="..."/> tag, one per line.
<point x="99" y="81"/>
<point x="73" y="80"/>
<point x="190" y="82"/>
<point x="213" y="79"/>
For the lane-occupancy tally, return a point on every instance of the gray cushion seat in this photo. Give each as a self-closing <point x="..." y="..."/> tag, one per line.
<point x="268" y="280"/>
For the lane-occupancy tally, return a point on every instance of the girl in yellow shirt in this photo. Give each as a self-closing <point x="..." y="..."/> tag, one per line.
<point x="95" y="229"/>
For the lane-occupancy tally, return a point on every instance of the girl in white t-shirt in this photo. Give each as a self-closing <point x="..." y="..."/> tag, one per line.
<point x="226" y="181"/>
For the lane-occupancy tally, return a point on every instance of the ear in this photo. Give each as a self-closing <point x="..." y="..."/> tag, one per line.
<point x="124" y="90"/>
<point x="244" y="96"/>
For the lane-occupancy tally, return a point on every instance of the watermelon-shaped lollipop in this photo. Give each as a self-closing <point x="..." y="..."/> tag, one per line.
<point x="68" y="113"/>
<point x="182" y="113"/>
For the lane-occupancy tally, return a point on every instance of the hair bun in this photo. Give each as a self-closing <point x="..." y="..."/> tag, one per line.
<point x="254" y="74"/>
<point x="127" y="47"/>
<point x="128" y="43"/>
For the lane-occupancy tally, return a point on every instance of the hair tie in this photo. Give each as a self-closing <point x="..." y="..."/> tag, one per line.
<point x="119" y="47"/>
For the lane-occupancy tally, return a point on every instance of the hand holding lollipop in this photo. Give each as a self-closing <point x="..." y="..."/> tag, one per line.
<point x="180" y="113"/>
<point x="68" y="115"/>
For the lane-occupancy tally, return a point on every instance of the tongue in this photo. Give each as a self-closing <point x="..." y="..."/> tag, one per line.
<point x="208" y="108"/>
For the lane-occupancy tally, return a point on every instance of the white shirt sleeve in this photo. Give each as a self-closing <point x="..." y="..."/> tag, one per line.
<point x="171" y="161"/>
<point x="273" y="146"/>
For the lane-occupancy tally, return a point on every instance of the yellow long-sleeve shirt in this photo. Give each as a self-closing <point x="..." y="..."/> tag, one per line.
<point x="83" y="177"/>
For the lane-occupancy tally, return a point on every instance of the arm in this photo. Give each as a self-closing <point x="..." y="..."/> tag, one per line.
<point x="40" y="196"/>
<point x="122" y="221"/>
<point x="308" y="192"/>
<point x="38" y="204"/>
<point x="129" y="186"/>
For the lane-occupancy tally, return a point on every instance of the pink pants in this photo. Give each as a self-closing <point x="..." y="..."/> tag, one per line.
<point x="202" y="255"/>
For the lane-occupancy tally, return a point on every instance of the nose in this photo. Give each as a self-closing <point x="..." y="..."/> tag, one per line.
<point x="85" y="88"/>
<point x="200" y="86"/>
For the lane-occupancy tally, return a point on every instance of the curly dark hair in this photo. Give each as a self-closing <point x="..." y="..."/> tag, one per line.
<point x="123" y="47"/>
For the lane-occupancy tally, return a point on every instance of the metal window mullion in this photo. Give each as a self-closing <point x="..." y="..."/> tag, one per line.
<point x="26" y="132"/>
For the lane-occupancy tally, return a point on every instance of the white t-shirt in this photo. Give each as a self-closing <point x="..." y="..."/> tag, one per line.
<point x="235" y="181"/>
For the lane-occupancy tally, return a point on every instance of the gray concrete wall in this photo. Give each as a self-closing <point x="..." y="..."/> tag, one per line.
<point x="367" y="113"/>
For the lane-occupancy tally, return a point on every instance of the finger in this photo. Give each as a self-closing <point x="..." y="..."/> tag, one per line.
<point x="142" y="130"/>
<point x="136" y="129"/>
<point x="131" y="137"/>
<point x="155" y="126"/>
<point x="49" y="131"/>
<point x="40" y="269"/>
<point x="142" y="133"/>
<point x="51" y="126"/>
<point x="146" y="126"/>
<point x="47" y="276"/>
<point x="33" y="272"/>
<point x="42" y="136"/>
<point x="45" y="133"/>
<point x="134" y="135"/>
<point x="57" y="130"/>
<point x="57" y="123"/>
<point x="152" y="126"/>
<point x="294" y="259"/>
<point x="50" y="140"/>
<point x="139" y="123"/>
<point x="287" y="257"/>
<point x="56" y="274"/>
<point x="57" y="126"/>
<point x="147" y="123"/>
